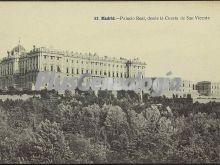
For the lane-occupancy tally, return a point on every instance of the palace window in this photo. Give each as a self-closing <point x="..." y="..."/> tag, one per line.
<point x="51" y="68"/>
<point x="109" y="74"/>
<point x="77" y="71"/>
<point x="67" y="70"/>
<point x="72" y="71"/>
<point x="82" y="71"/>
<point x="45" y="68"/>
<point x="58" y="69"/>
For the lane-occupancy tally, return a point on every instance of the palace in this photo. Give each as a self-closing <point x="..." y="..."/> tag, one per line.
<point x="20" y="68"/>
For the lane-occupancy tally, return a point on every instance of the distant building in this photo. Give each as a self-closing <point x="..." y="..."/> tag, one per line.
<point x="187" y="89"/>
<point x="20" y="68"/>
<point x="208" y="88"/>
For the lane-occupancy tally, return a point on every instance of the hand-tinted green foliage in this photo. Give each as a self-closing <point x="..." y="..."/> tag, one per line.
<point x="88" y="127"/>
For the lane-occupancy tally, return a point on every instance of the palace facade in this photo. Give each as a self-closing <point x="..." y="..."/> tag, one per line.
<point x="20" y="68"/>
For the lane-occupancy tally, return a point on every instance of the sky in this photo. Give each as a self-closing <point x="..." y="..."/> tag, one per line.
<point x="187" y="48"/>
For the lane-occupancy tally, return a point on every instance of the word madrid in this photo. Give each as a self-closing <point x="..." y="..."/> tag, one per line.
<point x="86" y="82"/>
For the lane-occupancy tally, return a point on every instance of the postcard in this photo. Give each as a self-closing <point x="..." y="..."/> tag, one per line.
<point x="97" y="82"/>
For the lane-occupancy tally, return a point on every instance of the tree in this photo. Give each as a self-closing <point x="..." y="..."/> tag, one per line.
<point x="105" y="97"/>
<point x="46" y="145"/>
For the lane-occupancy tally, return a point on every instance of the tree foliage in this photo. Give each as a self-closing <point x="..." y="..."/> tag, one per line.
<point x="88" y="127"/>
